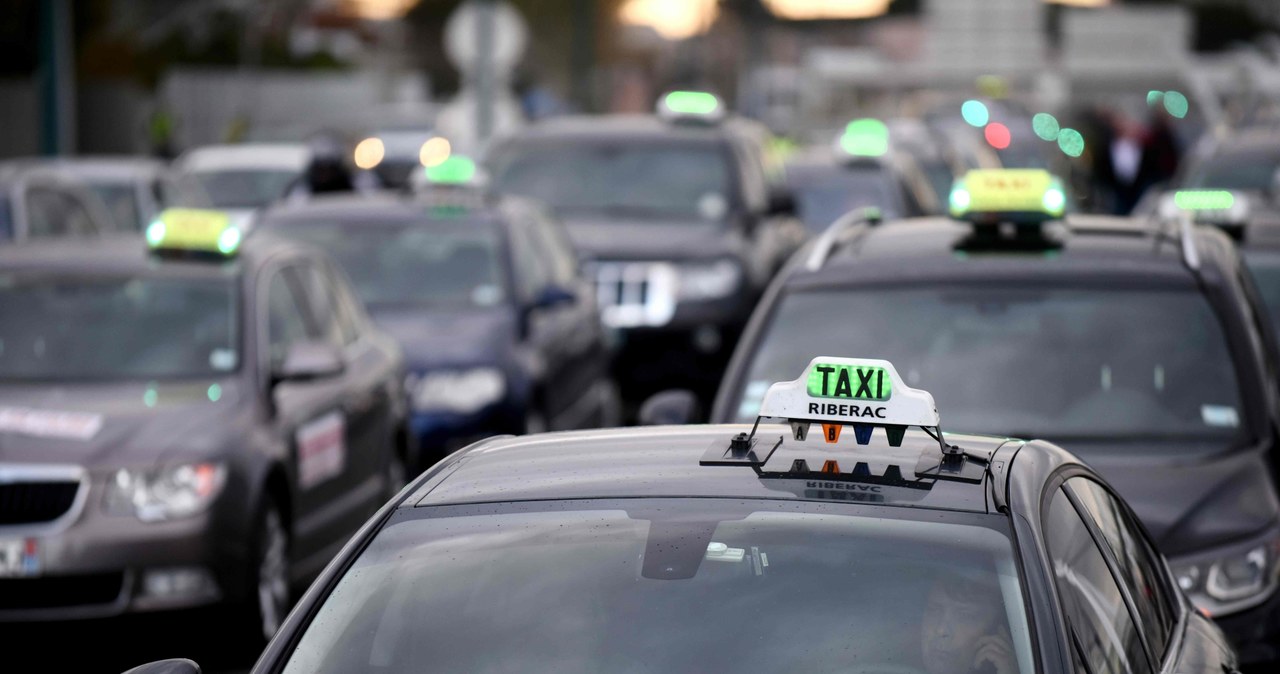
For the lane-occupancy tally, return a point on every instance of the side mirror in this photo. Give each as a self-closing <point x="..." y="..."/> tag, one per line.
<point x="173" y="666"/>
<point x="553" y="295"/>
<point x="672" y="407"/>
<point x="781" y="202"/>
<point x="309" y="360"/>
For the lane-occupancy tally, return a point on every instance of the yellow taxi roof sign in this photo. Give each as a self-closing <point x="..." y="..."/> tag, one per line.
<point x="1014" y="195"/>
<point x="194" y="230"/>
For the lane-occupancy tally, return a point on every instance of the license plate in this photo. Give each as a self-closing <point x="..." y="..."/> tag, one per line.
<point x="19" y="557"/>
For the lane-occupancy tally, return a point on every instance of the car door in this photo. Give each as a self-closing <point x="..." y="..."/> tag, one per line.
<point x="314" y="418"/>
<point x="580" y="334"/>
<point x="51" y="212"/>
<point x="1101" y="626"/>
<point x="1149" y="584"/>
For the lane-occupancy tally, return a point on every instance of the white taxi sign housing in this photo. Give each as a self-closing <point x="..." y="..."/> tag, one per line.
<point x="849" y="391"/>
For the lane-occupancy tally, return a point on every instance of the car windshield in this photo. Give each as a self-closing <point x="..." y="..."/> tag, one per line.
<point x="121" y="200"/>
<point x="824" y="193"/>
<point x="411" y="263"/>
<point x="655" y="181"/>
<point x="673" y="586"/>
<point x="233" y="189"/>
<point x="116" y="328"/>
<point x="1044" y="363"/>
<point x="1252" y="171"/>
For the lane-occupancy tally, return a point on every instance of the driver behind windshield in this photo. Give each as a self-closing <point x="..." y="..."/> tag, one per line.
<point x="963" y="629"/>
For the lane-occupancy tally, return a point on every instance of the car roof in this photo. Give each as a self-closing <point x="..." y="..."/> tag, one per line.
<point x="388" y="207"/>
<point x="284" y="156"/>
<point x="128" y="254"/>
<point x="661" y="462"/>
<point x="1090" y="246"/>
<point x="99" y="166"/>
<point x="595" y="127"/>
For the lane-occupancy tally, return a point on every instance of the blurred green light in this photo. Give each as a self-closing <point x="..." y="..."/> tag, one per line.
<point x="691" y="102"/>
<point x="1046" y="126"/>
<point x="1071" y="142"/>
<point x="215" y="393"/>
<point x="1176" y="104"/>
<point x="960" y="199"/>
<point x="975" y="113"/>
<point x="1204" y="200"/>
<point x="865" y="138"/>
<point x="229" y="240"/>
<point x="456" y="170"/>
<point x="149" y="397"/>
<point x="1054" y="201"/>
<point x="1154" y="97"/>
<point x="155" y="233"/>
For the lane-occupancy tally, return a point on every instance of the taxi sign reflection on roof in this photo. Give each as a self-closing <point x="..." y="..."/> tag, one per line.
<point x="850" y="390"/>
<point x="1014" y="195"/>
<point x="193" y="230"/>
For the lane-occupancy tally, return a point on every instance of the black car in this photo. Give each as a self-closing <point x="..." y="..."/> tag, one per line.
<point x="499" y="326"/>
<point x="1140" y="347"/>
<point x="187" y="423"/>
<point x="755" y="548"/>
<point x="863" y="169"/>
<point x="680" y="217"/>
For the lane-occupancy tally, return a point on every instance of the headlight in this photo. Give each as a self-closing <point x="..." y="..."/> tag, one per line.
<point x="1233" y="582"/>
<point x="709" y="281"/>
<point x="164" y="493"/>
<point x="462" y="391"/>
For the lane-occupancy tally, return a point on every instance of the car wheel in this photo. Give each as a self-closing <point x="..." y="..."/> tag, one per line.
<point x="270" y="571"/>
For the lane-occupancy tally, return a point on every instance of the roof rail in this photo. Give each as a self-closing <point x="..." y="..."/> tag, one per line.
<point x="1190" y="254"/>
<point x="827" y="241"/>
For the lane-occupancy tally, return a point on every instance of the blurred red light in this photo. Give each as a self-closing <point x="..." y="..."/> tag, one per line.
<point x="998" y="135"/>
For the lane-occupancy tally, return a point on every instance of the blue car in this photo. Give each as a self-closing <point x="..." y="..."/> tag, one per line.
<point x="500" y="329"/>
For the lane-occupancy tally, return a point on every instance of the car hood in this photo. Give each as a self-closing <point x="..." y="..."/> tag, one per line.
<point x="112" y="425"/>
<point x="448" y="337"/>
<point x="1191" y="503"/>
<point x="632" y="239"/>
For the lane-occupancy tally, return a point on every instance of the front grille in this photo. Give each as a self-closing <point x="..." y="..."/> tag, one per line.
<point x="34" y="502"/>
<point x="60" y="591"/>
<point x="635" y="294"/>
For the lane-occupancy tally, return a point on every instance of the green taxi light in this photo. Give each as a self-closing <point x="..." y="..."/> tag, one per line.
<point x="455" y="170"/>
<point x="1054" y="201"/>
<point x="865" y="138"/>
<point x="1204" y="200"/>
<point x="836" y="380"/>
<point x="691" y="102"/>
<point x="193" y="230"/>
<point x="960" y="199"/>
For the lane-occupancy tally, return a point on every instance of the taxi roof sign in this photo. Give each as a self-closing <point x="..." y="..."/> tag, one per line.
<point x="194" y="230"/>
<point x="455" y="169"/>
<point x="691" y="106"/>
<point x="850" y="390"/>
<point x="1008" y="195"/>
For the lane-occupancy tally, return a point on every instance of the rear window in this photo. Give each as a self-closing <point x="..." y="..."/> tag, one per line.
<point x="1045" y="363"/>
<point x="824" y="193"/>
<point x="1236" y="171"/>
<point x="661" y="586"/>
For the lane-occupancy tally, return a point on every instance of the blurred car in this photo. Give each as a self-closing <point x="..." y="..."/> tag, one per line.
<point x="755" y="549"/>
<point x="41" y="202"/>
<point x="860" y="170"/>
<point x="393" y="154"/>
<point x="676" y="215"/>
<point x="131" y="188"/>
<point x="939" y="157"/>
<point x="1246" y="163"/>
<point x="184" y="421"/>
<point x="239" y="179"/>
<point x="499" y="326"/>
<point x="1138" y="347"/>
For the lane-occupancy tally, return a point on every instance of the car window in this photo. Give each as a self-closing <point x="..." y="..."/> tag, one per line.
<point x="646" y="180"/>
<point x="1140" y="364"/>
<point x="53" y="213"/>
<point x="824" y="193"/>
<point x="1091" y="601"/>
<point x="554" y="249"/>
<point x="1140" y="568"/>
<point x="1265" y="268"/>
<point x="1236" y="170"/>
<point x="671" y="585"/>
<point x="6" y="219"/>
<point x="346" y="307"/>
<point x="532" y="266"/>
<point x="121" y="200"/>
<point x="105" y="328"/>
<point x="286" y="324"/>
<point x="324" y="313"/>
<point x="454" y="262"/>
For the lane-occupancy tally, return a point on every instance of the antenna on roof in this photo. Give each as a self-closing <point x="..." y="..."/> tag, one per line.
<point x="827" y="241"/>
<point x="1190" y="254"/>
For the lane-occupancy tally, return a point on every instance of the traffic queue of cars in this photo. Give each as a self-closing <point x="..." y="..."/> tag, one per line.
<point x="203" y="413"/>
